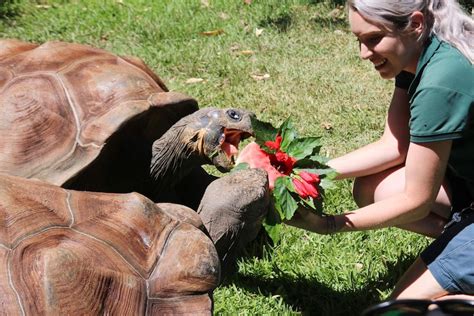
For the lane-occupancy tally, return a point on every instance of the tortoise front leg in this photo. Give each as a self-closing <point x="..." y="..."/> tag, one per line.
<point x="232" y="210"/>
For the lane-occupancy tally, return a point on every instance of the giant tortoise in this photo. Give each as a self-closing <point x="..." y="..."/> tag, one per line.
<point x="95" y="155"/>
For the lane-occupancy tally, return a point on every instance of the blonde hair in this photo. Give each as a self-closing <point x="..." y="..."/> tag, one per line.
<point x="444" y="18"/>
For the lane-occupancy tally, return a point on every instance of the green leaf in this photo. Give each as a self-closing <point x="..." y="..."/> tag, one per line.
<point x="327" y="184"/>
<point x="322" y="172"/>
<point x="331" y="174"/>
<point x="274" y="231"/>
<point x="307" y="163"/>
<point x="285" y="203"/>
<point x="241" y="166"/>
<point x="263" y="131"/>
<point x="301" y="148"/>
<point x="321" y="159"/>
<point x="309" y="202"/>
<point x="288" y="134"/>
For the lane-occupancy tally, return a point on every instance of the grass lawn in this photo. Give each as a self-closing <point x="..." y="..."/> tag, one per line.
<point x="278" y="58"/>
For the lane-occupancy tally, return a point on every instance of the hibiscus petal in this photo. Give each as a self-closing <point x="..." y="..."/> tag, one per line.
<point x="275" y="145"/>
<point x="310" y="189"/>
<point x="309" y="177"/>
<point x="299" y="188"/>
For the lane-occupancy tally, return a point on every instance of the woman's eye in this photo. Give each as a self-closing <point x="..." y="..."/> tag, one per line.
<point x="373" y="40"/>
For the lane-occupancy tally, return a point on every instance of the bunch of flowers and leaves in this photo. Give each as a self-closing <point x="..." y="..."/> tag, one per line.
<point x="298" y="174"/>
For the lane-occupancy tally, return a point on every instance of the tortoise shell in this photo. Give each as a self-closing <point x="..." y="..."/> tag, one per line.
<point x="62" y="103"/>
<point x="64" y="107"/>
<point x="65" y="252"/>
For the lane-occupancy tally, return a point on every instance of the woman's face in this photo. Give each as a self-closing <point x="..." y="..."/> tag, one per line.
<point x="389" y="52"/>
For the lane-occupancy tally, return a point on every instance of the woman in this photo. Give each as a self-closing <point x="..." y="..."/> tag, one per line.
<point x="424" y="163"/>
<point x="422" y="168"/>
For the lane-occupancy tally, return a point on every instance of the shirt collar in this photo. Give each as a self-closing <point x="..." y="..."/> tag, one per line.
<point x="430" y="49"/>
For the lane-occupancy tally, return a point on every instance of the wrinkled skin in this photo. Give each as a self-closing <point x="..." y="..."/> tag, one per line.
<point x="82" y="119"/>
<point x="208" y="136"/>
<point x="234" y="219"/>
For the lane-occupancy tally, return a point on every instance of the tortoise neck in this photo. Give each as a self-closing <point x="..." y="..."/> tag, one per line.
<point x="172" y="160"/>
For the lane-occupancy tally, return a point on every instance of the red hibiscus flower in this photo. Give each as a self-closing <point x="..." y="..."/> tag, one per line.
<point x="282" y="162"/>
<point x="275" y="145"/>
<point x="282" y="158"/>
<point x="305" y="189"/>
<point x="309" y="177"/>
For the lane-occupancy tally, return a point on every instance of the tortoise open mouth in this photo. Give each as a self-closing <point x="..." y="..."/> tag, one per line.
<point x="229" y="143"/>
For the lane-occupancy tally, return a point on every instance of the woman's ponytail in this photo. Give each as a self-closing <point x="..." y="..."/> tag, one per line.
<point x="451" y="24"/>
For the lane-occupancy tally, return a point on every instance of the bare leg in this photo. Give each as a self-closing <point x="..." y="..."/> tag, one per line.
<point x="373" y="188"/>
<point x="457" y="297"/>
<point x="419" y="283"/>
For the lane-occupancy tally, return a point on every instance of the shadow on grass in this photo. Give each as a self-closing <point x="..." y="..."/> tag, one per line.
<point x="331" y="2"/>
<point x="335" y="18"/>
<point x="311" y="297"/>
<point x="9" y="9"/>
<point x="281" y="22"/>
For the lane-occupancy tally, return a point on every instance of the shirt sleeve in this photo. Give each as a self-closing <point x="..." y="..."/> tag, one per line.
<point x="439" y="113"/>
<point x="403" y="80"/>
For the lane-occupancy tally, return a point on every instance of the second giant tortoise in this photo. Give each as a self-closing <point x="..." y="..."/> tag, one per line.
<point x="86" y="120"/>
<point x="66" y="252"/>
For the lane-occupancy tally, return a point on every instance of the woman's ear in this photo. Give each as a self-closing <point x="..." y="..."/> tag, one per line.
<point x="417" y="24"/>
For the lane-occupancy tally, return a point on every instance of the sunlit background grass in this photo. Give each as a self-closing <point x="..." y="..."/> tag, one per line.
<point x="278" y="58"/>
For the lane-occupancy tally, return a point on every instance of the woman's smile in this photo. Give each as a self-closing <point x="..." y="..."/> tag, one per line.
<point x="379" y="64"/>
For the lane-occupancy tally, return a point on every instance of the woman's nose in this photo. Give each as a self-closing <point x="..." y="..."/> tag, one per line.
<point x="365" y="52"/>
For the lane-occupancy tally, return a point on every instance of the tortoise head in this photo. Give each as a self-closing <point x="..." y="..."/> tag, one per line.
<point x="207" y="136"/>
<point x="216" y="134"/>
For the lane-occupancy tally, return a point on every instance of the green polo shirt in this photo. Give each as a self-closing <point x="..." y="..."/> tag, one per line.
<point x="442" y="105"/>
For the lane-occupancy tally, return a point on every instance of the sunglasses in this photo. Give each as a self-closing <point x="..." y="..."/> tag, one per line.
<point x="412" y="307"/>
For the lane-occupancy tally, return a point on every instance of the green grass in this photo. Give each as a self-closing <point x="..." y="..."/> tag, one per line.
<point x="315" y="76"/>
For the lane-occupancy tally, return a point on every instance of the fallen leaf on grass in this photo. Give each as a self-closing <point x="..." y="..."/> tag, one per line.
<point x="224" y="16"/>
<point x="258" y="32"/>
<point x="260" y="77"/>
<point x="194" y="80"/>
<point x="326" y="125"/>
<point x="205" y="3"/>
<point x="337" y="13"/>
<point x="213" y="32"/>
<point x="246" y="52"/>
<point x="248" y="1"/>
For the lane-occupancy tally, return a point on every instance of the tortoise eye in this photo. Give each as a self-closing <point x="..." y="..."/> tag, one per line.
<point x="233" y="114"/>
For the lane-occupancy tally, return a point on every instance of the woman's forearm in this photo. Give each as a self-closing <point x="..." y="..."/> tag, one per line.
<point x="370" y="159"/>
<point x="397" y="210"/>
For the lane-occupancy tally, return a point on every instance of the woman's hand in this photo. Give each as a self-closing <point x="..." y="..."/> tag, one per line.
<point x="308" y="220"/>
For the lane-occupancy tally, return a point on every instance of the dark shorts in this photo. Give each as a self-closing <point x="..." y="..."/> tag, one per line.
<point x="450" y="258"/>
